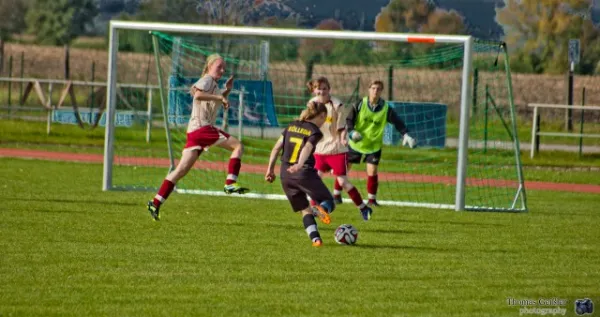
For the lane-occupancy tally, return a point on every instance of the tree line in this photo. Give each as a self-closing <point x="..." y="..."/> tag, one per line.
<point x="536" y="32"/>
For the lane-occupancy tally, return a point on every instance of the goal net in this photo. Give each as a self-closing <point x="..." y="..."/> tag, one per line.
<point x="453" y="93"/>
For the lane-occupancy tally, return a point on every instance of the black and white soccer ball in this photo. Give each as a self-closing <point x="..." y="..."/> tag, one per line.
<point x="346" y="234"/>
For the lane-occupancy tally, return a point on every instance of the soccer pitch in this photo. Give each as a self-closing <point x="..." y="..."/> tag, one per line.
<point x="70" y="249"/>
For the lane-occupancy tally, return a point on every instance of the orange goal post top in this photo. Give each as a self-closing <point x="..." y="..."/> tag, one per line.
<point x="297" y="33"/>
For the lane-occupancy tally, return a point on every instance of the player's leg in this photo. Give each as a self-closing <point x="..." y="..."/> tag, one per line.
<point x="322" y="168"/>
<point x="310" y="226"/>
<point x="313" y="186"/>
<point x="188" y="158"/>
<point x="298" y="201"/>
<point x="372" y="179"/>
<point x="339" y="164"/>
<point x="235" y="163"/>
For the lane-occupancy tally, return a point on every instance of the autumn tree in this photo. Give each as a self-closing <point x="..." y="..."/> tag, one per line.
<point x="318" y="49"/>
<point x="538" y="32"/>
<point x="416" y="16"/>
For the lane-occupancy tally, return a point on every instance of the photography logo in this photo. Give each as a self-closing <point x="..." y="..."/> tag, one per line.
<point x="584" y="306"/>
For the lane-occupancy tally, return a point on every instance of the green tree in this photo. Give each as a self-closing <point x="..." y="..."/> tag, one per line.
<point x="175" y="11"/>
<point x="13" y="17"/>
<point x="58" y="22"/>
<point x="538" y="32"/>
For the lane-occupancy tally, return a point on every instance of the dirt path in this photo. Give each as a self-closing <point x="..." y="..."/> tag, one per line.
<point x="256" y="168"/>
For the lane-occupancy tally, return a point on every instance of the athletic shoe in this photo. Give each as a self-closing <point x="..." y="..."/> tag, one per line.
<point x="366" y="213"/>
<point x="153" y="210"/>
<point x="235" y="188"/>
<point x="337" y="199"/>
<point x="317" y="243"/>
<point x="320" y="213"/>
<point x="373" y="203"/>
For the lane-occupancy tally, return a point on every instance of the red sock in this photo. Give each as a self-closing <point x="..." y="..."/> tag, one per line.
<point x="233" y="170"/>
<point x="372" y="186"/>
<point x="356" y="197"/>
<point x="337" y="188"/>
<point x="163" y="192"/>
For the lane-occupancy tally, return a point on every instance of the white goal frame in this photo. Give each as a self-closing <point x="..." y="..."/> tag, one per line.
<point x="465" y="92"/>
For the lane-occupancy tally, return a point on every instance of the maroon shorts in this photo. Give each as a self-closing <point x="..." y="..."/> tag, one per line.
<point x="335" y="162"/>
<point x="204" y="137"/>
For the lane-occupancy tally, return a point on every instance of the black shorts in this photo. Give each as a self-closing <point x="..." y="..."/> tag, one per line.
<point x="304" y="182"/>
<point x="355" y="157"/>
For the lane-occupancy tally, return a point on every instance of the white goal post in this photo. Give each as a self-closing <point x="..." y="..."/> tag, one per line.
<point x="465" y="99"/>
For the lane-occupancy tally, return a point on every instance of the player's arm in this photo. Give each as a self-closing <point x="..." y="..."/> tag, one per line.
<point x="228" y="86"/>
<point x="342" y="114"/>
<point x="394" y="119"/>
<point x="270" y="175"/>
<point x="352" y="116"/>
<point x="201" y="95"/>
<point x="351" y="122"/>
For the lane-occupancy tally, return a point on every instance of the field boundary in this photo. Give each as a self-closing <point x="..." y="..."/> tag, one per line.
<point x="257" y="168"/>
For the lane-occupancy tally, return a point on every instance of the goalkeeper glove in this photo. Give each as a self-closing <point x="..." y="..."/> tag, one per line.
<point x="355" y="136"/>
<point x="408" y="140"/>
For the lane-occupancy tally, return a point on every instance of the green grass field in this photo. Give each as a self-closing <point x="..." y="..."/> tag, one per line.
<point x="70" y="249"/>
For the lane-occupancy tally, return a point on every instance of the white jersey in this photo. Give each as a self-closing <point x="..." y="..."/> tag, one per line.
<point x="331" y="129"/>
<point x="205" y="112"/>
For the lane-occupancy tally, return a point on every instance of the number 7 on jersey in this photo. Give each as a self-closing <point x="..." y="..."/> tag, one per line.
<point x="297" y="145"/>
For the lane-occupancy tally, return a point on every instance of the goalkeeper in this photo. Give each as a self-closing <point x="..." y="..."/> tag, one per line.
<point x="366" y="123"/>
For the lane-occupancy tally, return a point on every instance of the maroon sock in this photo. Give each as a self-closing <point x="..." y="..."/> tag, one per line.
<point x="163" y="192"/>
<point x="356" y="197"/>
<point x="337" y="185"/>
<point x="372" y="186"/>
<point x="233" y="170"/>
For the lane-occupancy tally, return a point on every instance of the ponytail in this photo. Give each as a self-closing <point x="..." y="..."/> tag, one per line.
<point x="313" y="109"/>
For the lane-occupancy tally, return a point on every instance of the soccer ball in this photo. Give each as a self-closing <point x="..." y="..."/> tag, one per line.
<point x="346" y="234"/>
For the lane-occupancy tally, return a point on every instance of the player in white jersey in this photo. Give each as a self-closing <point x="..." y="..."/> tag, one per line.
<point x="331" y="151"/>
<point x="202" y="133"/>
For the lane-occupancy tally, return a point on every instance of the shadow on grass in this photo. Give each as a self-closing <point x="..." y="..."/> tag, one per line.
<point x="460" y="223"/>
<point x="79" y="201"/>
<point x="404" y="247"/>
<point x="440" y="249"/>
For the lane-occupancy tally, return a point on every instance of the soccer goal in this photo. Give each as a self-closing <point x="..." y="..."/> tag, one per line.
<point x="453" y="92"/>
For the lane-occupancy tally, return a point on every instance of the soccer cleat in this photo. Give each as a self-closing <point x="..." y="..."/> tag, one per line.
<point x="317" y="243"/>
<point x="235" y="188"/>
<point x="320" y="213"/>
<point x="337" y="199"/>
<point x="366" y="213"/>
<point x="373" y="203"/>
<point x="153" y="210"/>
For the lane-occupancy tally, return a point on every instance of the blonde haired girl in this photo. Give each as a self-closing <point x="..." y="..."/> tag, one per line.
<point x="202" y="132"/>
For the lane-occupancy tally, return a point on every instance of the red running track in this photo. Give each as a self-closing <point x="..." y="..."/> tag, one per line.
<point x="260" y="169"/>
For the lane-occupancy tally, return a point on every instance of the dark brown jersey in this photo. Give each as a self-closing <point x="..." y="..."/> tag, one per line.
<point x="295" y="136"/>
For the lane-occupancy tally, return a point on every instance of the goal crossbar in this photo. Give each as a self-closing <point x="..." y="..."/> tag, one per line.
<point x="465" y="103"/>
